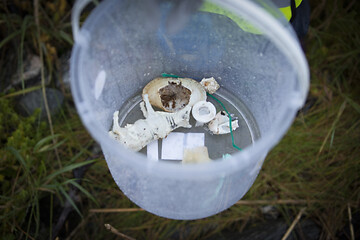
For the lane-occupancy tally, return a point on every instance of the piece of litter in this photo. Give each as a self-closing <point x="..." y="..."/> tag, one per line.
<point x="230" y="120"/>
<point x="193" y="140"/>
<point x="203" y="112"/>
<point x="152" y="150"/>
<point x="156" y="125"/>
<point x="196" y="155"/>
<point x="226" y="156"/>
<point x="173" y="146"/>
<point x="210" y="85"/>
<point x="221" y="125"/>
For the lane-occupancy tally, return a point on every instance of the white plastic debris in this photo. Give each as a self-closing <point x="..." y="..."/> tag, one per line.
<point x="196" y="155"/>
<point x="210" y="85"/>
<point x="203" y="112"/>
<point x="156" y="125"/>
<point x="226" y="156"/>
<point x="173" y="94"/>
<point x="221" y="124"/>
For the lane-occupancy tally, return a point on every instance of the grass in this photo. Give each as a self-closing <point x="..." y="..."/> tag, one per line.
<point x="316" y="165"/>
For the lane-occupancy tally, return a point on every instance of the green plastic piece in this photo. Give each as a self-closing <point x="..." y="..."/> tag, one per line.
<point x="169" y="75"/>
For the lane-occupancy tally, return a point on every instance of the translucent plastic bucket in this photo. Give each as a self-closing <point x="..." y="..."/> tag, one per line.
<point x="246" y="45"/>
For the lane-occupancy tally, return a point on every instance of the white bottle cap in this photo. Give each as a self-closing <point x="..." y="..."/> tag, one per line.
<point x="203" y="112"/>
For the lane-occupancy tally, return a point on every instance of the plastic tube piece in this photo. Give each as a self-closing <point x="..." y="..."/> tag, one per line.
<point x="203" y="112"/>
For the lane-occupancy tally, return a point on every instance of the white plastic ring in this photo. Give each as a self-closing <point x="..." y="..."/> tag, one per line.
<point x="203" y="111"/>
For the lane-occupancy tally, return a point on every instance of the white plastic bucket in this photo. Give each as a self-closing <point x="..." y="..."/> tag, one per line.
<point x="122" y="45"/>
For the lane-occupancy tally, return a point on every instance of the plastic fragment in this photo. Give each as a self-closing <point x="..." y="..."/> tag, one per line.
<point x="203" y="112"/>
<point x="221" y="124"/>
<point x="156" y="125"/>
<point x="210" y="85"/>
<point x="196" y="155"/>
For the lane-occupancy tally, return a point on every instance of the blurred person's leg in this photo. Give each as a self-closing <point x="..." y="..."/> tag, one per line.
<point x="300" y="18"/>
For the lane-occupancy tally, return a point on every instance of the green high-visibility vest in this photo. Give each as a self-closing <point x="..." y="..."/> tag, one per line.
<point x="286" y="10"/>
<point x="283" y="5"/>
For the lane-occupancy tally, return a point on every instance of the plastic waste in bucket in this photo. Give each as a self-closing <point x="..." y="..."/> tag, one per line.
<point x="247" y="46"/>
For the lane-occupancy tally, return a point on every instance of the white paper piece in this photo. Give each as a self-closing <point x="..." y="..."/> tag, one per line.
<point x="173" y="146"/>
<point x="152" y="151"/>
<point x="194" y="140"/>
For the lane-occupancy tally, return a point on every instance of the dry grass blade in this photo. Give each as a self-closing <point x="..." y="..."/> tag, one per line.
<point x="27" y="235"/>
<point x="21" y="92"/>
<point x="240" y="202"/>
<point x="341" y="110"/>
<point x="37" y="22"/>
<point x="293" y="224"/>
<point x="45" y="190"/>
<point x="115" y="210"/>
<point x="350" y="223"/>
<point x="276" y="202"/>
<point x="115" y="231"/>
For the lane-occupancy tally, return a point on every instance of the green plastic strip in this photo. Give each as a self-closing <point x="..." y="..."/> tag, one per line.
<point x="169" y="75"/>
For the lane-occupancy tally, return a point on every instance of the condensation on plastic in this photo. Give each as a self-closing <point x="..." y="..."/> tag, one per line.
<point x="120" y="50"/>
